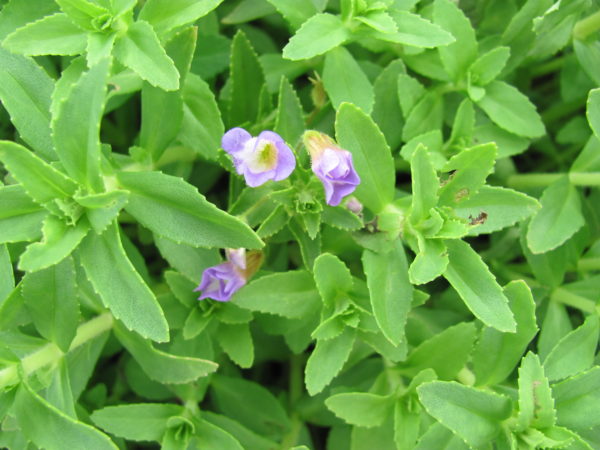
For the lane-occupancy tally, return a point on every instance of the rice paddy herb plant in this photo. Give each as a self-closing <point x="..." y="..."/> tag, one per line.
<point x="299" y="224"/>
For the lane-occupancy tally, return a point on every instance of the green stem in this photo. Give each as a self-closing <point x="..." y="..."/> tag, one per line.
<point x="295" y="385"/>
<point x="576" y="301"/>
<point x="533" y="180"/>
<point x="587" y="26"/>
<point x="50" y="353"/>
<point x="589" y="264"/>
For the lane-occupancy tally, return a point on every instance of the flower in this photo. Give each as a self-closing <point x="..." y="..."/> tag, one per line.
<point x="220" y="282"/>
<point x="260" y="159"/>
<point x="332" y="165"/>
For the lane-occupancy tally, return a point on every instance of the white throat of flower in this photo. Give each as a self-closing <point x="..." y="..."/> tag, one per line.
<point x="260" y="155"/>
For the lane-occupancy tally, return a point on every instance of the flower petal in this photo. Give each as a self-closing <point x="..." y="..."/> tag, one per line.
<point x="233" y="141"/>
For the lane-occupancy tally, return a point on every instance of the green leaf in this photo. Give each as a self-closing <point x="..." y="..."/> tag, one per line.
<point x="7" y="279"/>
<point x="575" y="352"/>
<point x="76" y="127"/>
<point x="468" y="274"/>
<point x="247" y="80"/>
<point x="357" y="133"/>
<point x="344" y="80"/>
<point x="409" y="92"/>
<point x="438" y="436"/>
<point x="469" y="168"/>
<point x="158" y="129"/>
<point x="310" y="248"/>
<point x="558" y="219"/>
<point x="294" y="297"/>
<point x="296" y="13"/>
<point x="119" y="285"/>
<point x="332" y="277"/>
<point x="51" y="35"/>
<point x="488" y="66"/>
<point x="463" y="125"/>
<point x="246" y="437"/>
<point x="459" y="55"/>
<point x="15" y="14"/>
<point x="593" y="111"/>
<point x="503" y="208"/>
<point x="136" y="422"/>
<point x="140" y="50"/>
<point x="341" y="218"/>
<point x="430" y="262"/>
<point x="289" y="123"/>
<point x="41" y="181"/>
<point x="317" y="35"/>
<point x="474" y="415"/>
<point x="172" y="208"/>
<point x="20" y="218"/>
<point x="536" y="405"/>
<point x="211" y="436"/>
<point x="165" y="15"/>
<point x="425" y="185"/>
<point x="202" y="127"/>
<point x="416" y="31"/>
<point x="390" y="290"/>
<point x="60" y="240"/>
<point x="386" y="108"/>
<point x="51" y="300"/>
<point x="511" y="110"/>
<point x="378" y="20"/>
<point x="83" y="13"/>
<point x="497" y="353"/>
<point x="188" y="260"/>
<point x="48" y="427"/>
<point x="361" y="408"/>
<point x="102" y="209"/>
<point x="236" y="341"/>
<point x="25" y="91"/>
<point x="426" y="115"/>
<point x="99" y="47"/>
<point x="161" y="366"/>
<point x="327" y="360"/>
<point x="446" y="352"/>
<point x="238" y="399"/>
<point x="577" y="400"/>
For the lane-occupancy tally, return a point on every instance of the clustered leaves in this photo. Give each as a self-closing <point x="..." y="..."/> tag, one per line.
<point x="444" y="294"/>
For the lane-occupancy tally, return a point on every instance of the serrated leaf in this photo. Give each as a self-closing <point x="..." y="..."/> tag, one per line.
<point x="386" y="108"/>
<point x="317" y="35"/>
<point x="425" y="116"/>
<point x="472" y="279"/>
<point x="357" y="133"/>
<point x="119" y="285"/>
<point x="489" y="65"/>
<point x="102" y="209"/>
<point x="20" y="218"/>
<point x="360" y="408"/>
<point x="52" y="303"/>
<point x="577" y="400"/>
<point x="416" y="31"/>
<point x="289" y="122"/>
<point x="344" y="80"/>
<point x="558" y="219"/>
<point x="140" y="50"/>
<point x="7" y="278"/>
<point x="593" y="111"/>
<point x="425" y="184"/>
<point x="166" y="15"/>
<point x="15" y="14"/>
<point x="536" y="405"/>
<point x="236" y="341"/>
<point x="430" y="262"/>
<point x="332" y="277"/>
<point x="296" y="13"/>
<point x="341" y="218"/>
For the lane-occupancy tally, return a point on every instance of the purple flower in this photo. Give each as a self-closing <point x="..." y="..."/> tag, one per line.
<point x="220" y="282"/>
<point x="260" y="159"/>
<point x="332" y="165"/>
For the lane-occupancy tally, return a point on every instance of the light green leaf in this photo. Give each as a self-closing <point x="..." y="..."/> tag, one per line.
<point x="236" y="341"/>
<point x="99" y="47"/>
<point x="344" y="80"/>
<point x="172" y="208"/>
<point x="379" y="20"/>
<point x="119" y="285"/>
<point x="425" y="184"/>
<point x="558" y="219"/>
<point x="76" y="127"/>
<point x="341" y="218"/>
<point x="310" y="247"/>
<point x="295" y="294"/>
<point x="102" y="209"/>
<point x="416" y="31"/>
<point x="474" y="415"/>
<point x="59" y="242"/>
<point x="50" y="428"/>
<point x="327" y="360"/>
<point x="438" y="436"/>
<point x="497" y="353"/>
<point x="463" y="125"/>
<point x="202" y="126"/>
<point x="188" y="260"/>
<point x="317" y="35"/>
<point x="289" y="123"/>
<point x="386" y="108"/>
<point x="51" y="300"/>
<point x="332" y="277"/>
<point x="211" y="436"/>
<point x="7" y="278"/>
<point x="488" y="66"/>
<point x="15" y="14"/>
<point x="536" y="405"/>
<point x="41" y="181"/>
<point x="20" y="218"/>
<point x="390" y="290"/>
<point x="409" y="92"/>
<point x="575" y="352"/>
<point x="85" y="14"/>
<point x="593" y="111"/>
<point x="136" y="422"/>
<point x="295" y="12"/>
<point x="140" y="50"/>
<point x="361" y="408"/>
<point x="503" y="208"/>
<point x="51" y="35"/>
<point x="247" y="81"/>
<point x="511" y="110"/>
<point x="161" y="366"/>
<point x="165" y="15"/>
<point x="577" y="400"/>
<point x="425" y="116"/>
<point x="430" y="262"/>
<point x="357" y="133"/>
<point x="469" y="275"/>
<point x="25" y="90"/>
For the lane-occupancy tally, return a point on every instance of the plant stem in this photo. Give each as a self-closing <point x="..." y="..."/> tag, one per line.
<point x="576" y="301"/>
<point x="295" y="385"/>
<point x="589" y="264"/>
<point x="532" y="180"/>
<point x="587" y="26"/>
<point x="50" y="353"/>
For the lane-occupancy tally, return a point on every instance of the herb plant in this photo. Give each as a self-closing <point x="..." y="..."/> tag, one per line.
<point x="309" y="224"/>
